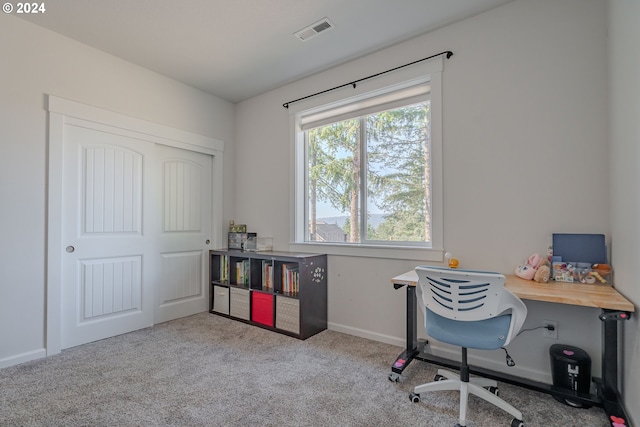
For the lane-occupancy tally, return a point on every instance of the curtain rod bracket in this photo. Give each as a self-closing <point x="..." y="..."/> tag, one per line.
<point x="448" y="54"/>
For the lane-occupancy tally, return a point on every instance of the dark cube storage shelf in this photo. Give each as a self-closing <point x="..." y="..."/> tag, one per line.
<point x="282" y="291"/>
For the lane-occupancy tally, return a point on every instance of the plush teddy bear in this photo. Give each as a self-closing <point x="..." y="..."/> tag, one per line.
<point x="528" y="270"/>
<point x="543" y="273"/>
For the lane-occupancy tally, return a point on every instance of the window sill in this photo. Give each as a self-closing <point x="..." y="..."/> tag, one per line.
<point x="371" y="251"/>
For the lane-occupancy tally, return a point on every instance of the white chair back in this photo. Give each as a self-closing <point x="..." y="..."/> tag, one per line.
<point x="460" y="294"/>
<point x="469" y="295"/>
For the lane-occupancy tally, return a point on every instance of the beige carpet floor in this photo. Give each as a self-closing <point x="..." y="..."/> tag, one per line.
<point x="206" y="370"/>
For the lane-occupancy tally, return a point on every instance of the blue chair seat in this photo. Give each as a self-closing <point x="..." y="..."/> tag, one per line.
<point x="487" y="334"/>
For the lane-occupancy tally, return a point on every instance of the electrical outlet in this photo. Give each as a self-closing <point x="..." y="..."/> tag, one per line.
<point x="550" y="334"/>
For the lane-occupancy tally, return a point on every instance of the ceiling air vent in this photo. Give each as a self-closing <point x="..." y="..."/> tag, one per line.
<point x="314" y="29"/>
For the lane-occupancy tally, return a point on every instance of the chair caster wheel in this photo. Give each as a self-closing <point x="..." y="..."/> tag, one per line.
<point x="494" y="390"/>
<point x="415" y="398"/>
<point x="517" y="423"/>
<point x="393" y="377"/>
<point x="439" y="377"/>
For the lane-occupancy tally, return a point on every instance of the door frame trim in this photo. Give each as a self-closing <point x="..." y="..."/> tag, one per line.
<point x="62" y="111"/>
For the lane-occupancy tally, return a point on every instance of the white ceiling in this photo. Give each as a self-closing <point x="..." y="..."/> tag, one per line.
<point x="237" y="49"/>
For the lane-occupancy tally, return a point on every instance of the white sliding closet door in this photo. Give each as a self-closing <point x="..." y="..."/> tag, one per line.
<point x="133" y="208"/>
<point x="184" y="237"/>
<point x="109" y="266"/>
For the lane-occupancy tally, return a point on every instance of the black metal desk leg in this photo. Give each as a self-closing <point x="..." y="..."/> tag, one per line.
<point x="608" y="390"/>
<point x="411" y="350"/>
<point x="609" y="357"/>
<point x="412" y="335"/>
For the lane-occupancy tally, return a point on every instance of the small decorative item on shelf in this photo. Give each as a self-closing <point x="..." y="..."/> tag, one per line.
<point x="235" y="240"/>
<point x="265" y="244"/>
<point x="258" y="244"/>
<point x="452" y="262"/>
<point x="250" y="244"/>
<point x="238" y="240"/>
<point x="237" y="228"/>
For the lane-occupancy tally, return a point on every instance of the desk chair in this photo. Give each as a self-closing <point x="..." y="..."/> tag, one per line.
<point x="470" y="309"/>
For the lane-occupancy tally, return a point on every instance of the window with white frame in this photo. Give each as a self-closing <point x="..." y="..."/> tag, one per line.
<point x="368" y="171"/>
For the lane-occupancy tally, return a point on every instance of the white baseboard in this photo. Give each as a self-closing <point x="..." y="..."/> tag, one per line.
<point x="363" y="333"/>
<point x="22" y="358"/>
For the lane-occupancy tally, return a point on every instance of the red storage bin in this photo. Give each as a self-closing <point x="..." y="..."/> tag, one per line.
<point x="262" y="308"/>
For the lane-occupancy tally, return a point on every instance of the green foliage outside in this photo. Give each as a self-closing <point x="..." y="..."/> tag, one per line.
<point x="396" y="150"/>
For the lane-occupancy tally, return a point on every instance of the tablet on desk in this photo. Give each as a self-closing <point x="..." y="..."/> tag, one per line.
<point x="588" y="248"/>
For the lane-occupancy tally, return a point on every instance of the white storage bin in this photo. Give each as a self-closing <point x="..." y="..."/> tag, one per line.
<point x="221" y="299"/>
<point x="288" y="314"/>
<point x="239" y="305"/>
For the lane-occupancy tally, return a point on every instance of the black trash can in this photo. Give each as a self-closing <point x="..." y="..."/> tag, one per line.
<point x="570" y="370"/>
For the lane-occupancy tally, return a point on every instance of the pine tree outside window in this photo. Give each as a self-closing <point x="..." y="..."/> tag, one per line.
<point x="369" y="178"/>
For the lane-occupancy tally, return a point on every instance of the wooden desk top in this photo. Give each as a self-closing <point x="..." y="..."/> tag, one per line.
<point x="599" y="296"/>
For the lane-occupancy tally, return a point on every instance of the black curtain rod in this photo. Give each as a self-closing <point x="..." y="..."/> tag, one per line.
<point x="353" y="83"/>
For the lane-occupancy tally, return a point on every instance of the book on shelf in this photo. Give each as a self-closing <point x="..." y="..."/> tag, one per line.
<point x="242" y="272"/>
<point x="224" y="268"/>
<point x="267" y="274"/>
<point x="290" y="279"/>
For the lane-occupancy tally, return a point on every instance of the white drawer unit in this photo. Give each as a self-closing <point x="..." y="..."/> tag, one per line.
<point x="239" y="303"/>
<point x="221" y="299"/>
<point x="288" y="314"/>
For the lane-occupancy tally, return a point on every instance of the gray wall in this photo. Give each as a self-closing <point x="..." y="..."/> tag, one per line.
<point x="525" y="155"/>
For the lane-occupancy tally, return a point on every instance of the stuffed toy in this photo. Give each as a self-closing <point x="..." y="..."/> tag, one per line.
<point x="527" y="271"/>
<point x="543" y="273"/>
